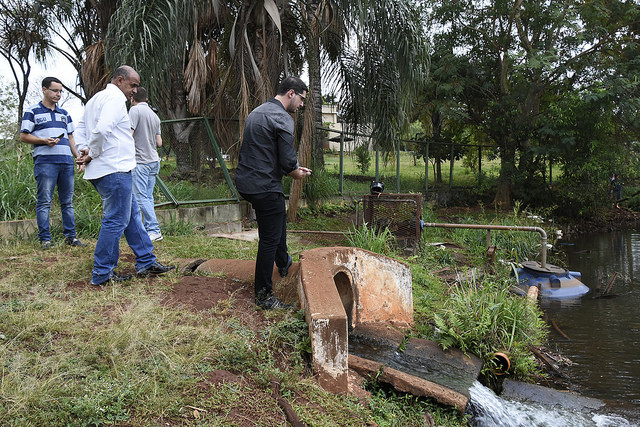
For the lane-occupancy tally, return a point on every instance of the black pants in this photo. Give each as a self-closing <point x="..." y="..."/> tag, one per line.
<point x="271" y="214"/>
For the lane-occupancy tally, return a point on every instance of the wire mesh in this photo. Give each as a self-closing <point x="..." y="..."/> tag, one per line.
<point x="196" y="156"/>
<point x="400" y="213"/>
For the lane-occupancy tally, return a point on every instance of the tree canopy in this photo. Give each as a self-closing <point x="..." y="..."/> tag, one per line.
<point x="519" y="59"/>
<point x="541" y="81"/>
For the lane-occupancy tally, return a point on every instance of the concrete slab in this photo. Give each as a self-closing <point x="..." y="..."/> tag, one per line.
<point x="21" y="230"/>
<point x="249" y="235"/>
<point x="421" y="358"/>
<point x="547" y="396"/>
<point x="227" y="217"/>
<point x="408" y="383"/>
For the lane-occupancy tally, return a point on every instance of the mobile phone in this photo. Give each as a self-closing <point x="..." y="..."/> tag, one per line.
<point x="60" y="136"/>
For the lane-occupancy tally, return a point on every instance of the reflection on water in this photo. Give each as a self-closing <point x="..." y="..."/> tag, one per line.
<point x="604" y="333"/>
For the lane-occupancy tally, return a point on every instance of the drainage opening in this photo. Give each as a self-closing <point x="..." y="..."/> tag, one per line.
<point x="343" y="284"/>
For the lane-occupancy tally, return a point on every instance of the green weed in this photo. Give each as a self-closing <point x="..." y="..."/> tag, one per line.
<point x="371" y="239"/>
<point x="483" y="319"/>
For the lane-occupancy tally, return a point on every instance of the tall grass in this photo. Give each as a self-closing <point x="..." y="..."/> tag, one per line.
<point x="372" y="239"/>
<point x="487" y="318"/>
<point x="18" y="193"/>
<point x="17" y="184"/>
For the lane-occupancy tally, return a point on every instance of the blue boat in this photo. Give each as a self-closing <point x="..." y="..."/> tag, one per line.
<point x="553" y="282"/>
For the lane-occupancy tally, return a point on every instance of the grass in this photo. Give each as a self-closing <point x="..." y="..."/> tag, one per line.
<point x="412" y="177"/>
<point x="75" y="356"/>
<point x="486" y="318"/>
<point x="371" y="239"/>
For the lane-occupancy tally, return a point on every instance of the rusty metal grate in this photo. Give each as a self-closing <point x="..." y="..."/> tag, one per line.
<point x="401" y="213"/>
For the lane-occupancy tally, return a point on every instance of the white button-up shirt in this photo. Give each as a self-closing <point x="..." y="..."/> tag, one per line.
<point x="105" y="129"/>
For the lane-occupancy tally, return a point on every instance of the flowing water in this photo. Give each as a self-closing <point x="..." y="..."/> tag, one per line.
<point x="493" y="411"/>
<point x="603" y="344"/>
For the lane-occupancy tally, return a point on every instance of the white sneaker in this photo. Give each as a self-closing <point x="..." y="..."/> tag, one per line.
<point x="155" y="237"/>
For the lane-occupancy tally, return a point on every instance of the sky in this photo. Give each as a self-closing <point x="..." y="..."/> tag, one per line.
<point x="56" y="66"/>
<point x="59" y="67"/>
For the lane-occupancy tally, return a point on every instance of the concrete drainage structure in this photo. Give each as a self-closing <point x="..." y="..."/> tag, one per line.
<point x="357" y="304"/>
<point x="341" y="288"/>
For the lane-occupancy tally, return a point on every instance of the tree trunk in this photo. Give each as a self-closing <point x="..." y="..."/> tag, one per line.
<point x="310" y="142"/>
<point x="317" y="154"/>
<point x="315" y="86"/>
<point x="304" y="158"/>
<point x="507" y="171"/>
<point x="182" y="130"/>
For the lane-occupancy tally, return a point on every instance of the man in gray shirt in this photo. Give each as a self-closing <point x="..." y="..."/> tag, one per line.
<point x="266" y="155"/>
<point x="145" y="125"/>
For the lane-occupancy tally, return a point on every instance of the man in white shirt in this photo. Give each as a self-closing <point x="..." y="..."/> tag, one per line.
<point x="107" y="151"/>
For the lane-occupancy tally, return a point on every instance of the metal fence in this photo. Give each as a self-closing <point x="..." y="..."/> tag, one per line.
<point x="199" y="153"/>
<point x="346" y="142"/>
<point x="195" y="164"/>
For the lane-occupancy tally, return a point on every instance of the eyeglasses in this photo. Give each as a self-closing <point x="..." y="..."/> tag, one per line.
<point x="56" y="90"/>
<point x="304" y="98"/>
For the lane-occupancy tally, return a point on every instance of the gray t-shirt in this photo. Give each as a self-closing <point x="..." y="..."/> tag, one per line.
<point x="146" y="125"/>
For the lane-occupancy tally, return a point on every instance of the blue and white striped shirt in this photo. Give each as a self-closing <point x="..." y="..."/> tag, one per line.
<point x="44" y="122"/>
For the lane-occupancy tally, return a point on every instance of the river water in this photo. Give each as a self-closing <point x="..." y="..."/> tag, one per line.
<point x="603" y="341"/>
<point x="604" y="334"/>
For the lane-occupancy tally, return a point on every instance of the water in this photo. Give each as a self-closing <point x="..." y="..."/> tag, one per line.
<point x="492" y="411"/>
<point x="604" y="334"/>
<point x="604" y="343"/>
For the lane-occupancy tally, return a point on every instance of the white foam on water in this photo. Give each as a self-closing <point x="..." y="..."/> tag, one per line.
<point x="492" y="411"/>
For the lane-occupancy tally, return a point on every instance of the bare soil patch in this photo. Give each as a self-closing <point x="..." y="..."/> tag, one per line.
<point x="203" y="293"/>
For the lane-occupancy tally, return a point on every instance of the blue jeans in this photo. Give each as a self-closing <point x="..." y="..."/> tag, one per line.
<point x="271" y="215"/>
<point x="144" y="180"/>
<point x="48" y="175"/>
<point x="120" y="215"/>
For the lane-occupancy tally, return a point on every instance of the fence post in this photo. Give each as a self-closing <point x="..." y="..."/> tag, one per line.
<point x="377" y="163"/>
<point x="223" y="165"/>
<point x="398" y="168"/>
<point x="451" y="168"/>
<point x="165" y="190"/>
<point x="479" y="165"/>
<point x="426" y="168"/>
<point x="341" y="185"/>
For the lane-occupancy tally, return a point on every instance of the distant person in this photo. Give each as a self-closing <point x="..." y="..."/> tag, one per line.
<point x="107" y="151"/>
<point x="266" y="155"/>
<point x="50" y="129"/>
<point x="145" y="125"/>
<point x="616" y="187"/>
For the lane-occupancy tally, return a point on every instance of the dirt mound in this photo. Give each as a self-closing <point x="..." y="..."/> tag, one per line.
<point x="204" y="293"/>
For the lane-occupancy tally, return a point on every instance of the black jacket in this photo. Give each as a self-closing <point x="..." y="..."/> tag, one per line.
<point x="267" y="152"/>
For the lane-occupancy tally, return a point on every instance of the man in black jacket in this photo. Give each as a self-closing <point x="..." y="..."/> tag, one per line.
<point x="266" y="155"/>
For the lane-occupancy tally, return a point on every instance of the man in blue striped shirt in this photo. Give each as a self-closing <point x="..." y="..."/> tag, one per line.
<point x="49" y="128"/>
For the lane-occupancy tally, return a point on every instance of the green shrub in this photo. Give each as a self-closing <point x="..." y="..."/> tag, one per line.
<point x="487" y="318"/>
<point x="372" y="239"/>
<point x="319" y="186"/>
<point x="363" y="157"/>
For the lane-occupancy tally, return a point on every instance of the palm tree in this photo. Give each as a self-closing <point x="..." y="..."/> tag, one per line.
<point x="378" y="74"/>
<point x="380" y="77"/>
<point x="80" y="27"/>
<point x="201" y="57"/>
